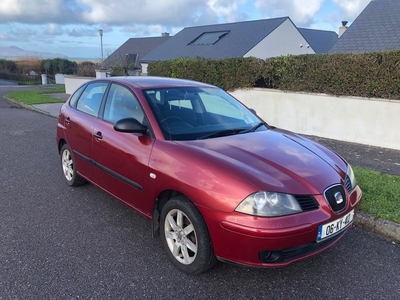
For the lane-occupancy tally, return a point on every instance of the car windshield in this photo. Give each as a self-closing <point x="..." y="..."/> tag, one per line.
<point x="190" y="113"/>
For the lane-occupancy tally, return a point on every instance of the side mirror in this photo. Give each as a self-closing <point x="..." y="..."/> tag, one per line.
<point x="130" y="125"/>
<point x="253" y="111"/>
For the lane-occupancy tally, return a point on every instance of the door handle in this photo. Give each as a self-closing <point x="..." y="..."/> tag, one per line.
<point x="68" y="121"/>
<point x="98" y="135"/>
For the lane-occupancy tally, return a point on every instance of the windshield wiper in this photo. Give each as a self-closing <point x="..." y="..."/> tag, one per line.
<point x="256" y="127"/>
<point x="234" y="131"/>
<point x="225" y="132"/>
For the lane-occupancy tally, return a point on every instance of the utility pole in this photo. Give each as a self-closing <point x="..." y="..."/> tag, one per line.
<point x="101" y="43"/>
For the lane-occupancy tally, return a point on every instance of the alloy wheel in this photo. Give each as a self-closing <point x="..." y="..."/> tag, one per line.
<point x="67" y="165"/>
<point x="181" y="236"/>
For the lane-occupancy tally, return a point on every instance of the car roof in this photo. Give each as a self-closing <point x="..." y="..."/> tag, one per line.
<point x="147" y="82"/>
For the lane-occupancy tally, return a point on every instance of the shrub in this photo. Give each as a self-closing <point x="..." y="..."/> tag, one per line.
<point x="7" y="66"/>
<point x="86" y="69"/>
<point x="373" y="74"/>
<point x="58" y="65"/>
<point x="29" y="66"/>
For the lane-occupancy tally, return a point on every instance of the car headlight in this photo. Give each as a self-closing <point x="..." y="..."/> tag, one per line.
<point x="269" y="204"/>
<point x="350" y="180"/>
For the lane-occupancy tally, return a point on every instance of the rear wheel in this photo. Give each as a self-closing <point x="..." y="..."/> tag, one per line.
<point x="68" y="167"/>
<point x="185" y="236"/>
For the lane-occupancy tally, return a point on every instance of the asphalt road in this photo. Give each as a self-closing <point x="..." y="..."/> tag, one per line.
<point x="58" y="242"/>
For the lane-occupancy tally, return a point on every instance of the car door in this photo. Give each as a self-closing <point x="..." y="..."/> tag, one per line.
<point x="80" y="118"/>
<point x="121" y="159"/>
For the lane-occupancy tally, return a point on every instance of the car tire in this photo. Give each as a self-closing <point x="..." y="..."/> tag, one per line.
<point x="68" y="167"/>
<point x="185" y="236"/>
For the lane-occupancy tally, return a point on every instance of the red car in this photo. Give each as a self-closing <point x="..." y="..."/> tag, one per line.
<point x="215" y="180"/>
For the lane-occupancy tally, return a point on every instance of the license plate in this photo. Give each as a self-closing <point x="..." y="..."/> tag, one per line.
<point x="330" y="229"/>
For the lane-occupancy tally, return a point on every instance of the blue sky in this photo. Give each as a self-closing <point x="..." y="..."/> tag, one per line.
<point x="71" y="27"/>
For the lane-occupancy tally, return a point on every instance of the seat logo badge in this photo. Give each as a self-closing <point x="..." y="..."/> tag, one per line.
<point x="338" y="197"/>
<point x="153" y="176"/>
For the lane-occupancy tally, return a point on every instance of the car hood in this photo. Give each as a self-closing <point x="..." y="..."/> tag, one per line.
<point x="275" y="160"/>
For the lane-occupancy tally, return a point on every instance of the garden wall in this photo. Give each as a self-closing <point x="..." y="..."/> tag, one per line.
<point x="72" y="83"/>
<point x="374" y="122"/>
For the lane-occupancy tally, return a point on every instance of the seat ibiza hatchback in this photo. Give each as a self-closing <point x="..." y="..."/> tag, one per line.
<point x="215" y="180"/>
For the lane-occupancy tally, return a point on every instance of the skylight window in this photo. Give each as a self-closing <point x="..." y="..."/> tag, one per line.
<point x="208" y="38"/>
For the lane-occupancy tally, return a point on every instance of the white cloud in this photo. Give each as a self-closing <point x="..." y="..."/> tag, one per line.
<point x="54" y="29"/>
<point x="28" y="11"/>
<point x="301" y="12"/>
<point x="127" y="12"/>
<point x="8" y="38"/>
<point x="227" y="10"/>
<point x="143" y="31"/>
<point x="176" y="13"/>
<point x="167" y="13"/>
<point x="351" y="8"/>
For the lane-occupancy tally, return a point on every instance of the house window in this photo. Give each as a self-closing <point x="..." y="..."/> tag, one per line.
<point x="208" y="38"/>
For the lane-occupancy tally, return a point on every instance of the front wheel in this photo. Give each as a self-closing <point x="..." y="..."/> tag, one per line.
<point x="68" y="167"/>
<point x="185" y="236"/>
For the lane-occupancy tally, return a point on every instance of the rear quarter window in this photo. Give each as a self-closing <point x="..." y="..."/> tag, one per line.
<point x="90" y="100"/>
<point x="76" y="95"/>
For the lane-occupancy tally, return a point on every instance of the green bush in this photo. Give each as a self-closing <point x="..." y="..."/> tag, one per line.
<point x="7" y="66"/>
<point x="86" y="69"/>
<point x="372" y="74"/>
<point x="58" y="65"/>
<point x="229" y="74"/>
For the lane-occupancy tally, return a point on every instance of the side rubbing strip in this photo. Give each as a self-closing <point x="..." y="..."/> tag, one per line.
<point x="111" y="172"/>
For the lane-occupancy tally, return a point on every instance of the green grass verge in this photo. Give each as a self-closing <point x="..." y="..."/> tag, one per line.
<point x="381" y="194"/>
<point x="37" y="97"/>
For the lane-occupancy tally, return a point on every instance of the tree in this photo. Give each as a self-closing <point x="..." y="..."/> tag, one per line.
<point x="59" y="65"/>
<point x="86" y="69"/>
<point x="8" y="66"/>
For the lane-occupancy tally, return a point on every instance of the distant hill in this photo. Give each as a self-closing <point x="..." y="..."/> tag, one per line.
<point x="15" y="52"/>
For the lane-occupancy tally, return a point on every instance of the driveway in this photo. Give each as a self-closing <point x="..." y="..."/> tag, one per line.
<point x="7" y="82"/>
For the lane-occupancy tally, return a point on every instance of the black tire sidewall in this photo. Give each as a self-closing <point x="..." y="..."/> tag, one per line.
<point x="76" y="179"/>
<point x="205" y="258"/>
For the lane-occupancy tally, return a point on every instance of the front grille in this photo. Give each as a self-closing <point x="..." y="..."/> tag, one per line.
<point x="307" y="203"/>
<point x="292" y="253"/>
<point x="336" y="197"/>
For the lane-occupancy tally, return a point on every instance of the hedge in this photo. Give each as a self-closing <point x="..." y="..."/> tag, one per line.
<point x="372" y="74"/>
<point x="58" y="65"/>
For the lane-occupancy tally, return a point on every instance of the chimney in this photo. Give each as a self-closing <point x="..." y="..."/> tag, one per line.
<point x="343" y="28"/>
<point x="165" y="34"/>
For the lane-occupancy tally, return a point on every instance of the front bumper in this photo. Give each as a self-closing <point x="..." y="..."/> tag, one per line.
<point x="270" y="242"/>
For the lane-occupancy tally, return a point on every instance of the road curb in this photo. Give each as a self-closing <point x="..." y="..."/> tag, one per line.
<point x="31" y="107"/>
<point x="380" y="226"/>
<point x="20" y="104"/>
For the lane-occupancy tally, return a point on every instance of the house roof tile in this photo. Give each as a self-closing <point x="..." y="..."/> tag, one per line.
<point x="377" y="28"/>
<point x="320" y="40"/>
<point x="242" y="37"/>
<point x="134" y="46"/>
